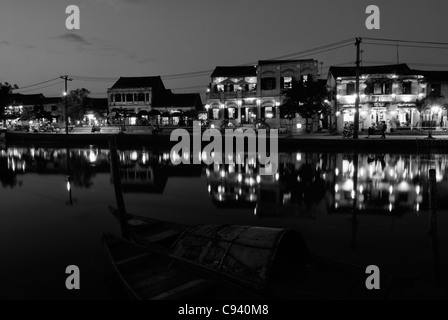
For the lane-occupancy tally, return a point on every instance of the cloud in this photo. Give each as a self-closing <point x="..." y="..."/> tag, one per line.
<point x="24" y="46"/>
<point x="71" y="37"/>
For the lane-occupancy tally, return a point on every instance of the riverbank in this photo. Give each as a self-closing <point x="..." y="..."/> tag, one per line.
<point x="392" y="143"/>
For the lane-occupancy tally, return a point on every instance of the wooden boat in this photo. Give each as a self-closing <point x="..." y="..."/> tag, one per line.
<point x="151" y="275"/>
<point x="150" y="232"/>
<point x="275" y="263"/>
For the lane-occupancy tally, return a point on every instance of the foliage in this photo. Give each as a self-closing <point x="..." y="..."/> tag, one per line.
<point x="77" y="102"/>
<point x="5" y="96"/>
<point x="305" y="98"/>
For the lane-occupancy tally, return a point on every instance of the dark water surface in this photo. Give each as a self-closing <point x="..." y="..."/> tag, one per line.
<point x="359" y="208"/>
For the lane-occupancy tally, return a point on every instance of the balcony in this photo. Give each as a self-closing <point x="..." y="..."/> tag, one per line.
<point x="232" y="95"/>
<point x="130" y="104"/>
<point x="381" y="98"/>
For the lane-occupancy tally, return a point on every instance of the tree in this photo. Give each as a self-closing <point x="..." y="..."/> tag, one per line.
<point x="430" y="101"/>
<point x="77" y="102"/>
<point x="5" y="97"/>
<point x="305" y="98"/>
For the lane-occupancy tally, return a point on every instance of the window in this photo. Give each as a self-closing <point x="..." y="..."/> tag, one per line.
<point x="220" y="87"/>
<point x="215" y="114"/>
<point x="54" y="108"/>
<point x="118" y="97"/>
<point x="228" y="88"/>
<point x="268" y="83"/>
<point x="350" y="88"/>
<point x="111" y="98"/>
<point x="269" y="112"/>
<point x="407" y="87"/>
<point x="231" y="113"/>
<point x="141" y="97"/>
<point x="147" y="96"/>
<point x="129" y="97"/>
<point x="388" y="88"/>
<point x="304" y="79"/>
<point x="378" y="88"/>
<point x="369" y="88"/>
<point x="286" y="82"/>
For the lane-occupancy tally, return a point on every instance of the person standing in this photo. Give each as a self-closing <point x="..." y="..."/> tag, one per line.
<point x="383" y="130"/>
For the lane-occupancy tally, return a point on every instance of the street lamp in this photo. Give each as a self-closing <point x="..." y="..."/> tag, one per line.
<point x="434" y="109"/>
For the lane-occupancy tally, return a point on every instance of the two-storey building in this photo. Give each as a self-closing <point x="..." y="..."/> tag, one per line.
<point x="232" y="95"/>
<point x="245" y="95"/>
<point x="134" y="94"/>
<point x="389" y="93"/>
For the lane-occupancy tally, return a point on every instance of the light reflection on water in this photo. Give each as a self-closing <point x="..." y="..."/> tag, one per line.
<point x="362" y="208"/>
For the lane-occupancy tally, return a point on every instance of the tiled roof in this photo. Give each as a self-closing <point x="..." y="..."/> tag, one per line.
<point x="178" y="100"/>
<point x="52" y="100"/>
<point x="28" y="99"/>
<point x="98" y="104"/>
<point x="400" y="69"/>
<point x="139" y="82"/>
<point x="266" y="62"/>
<point x="433" y="76"/>
<point x="235" y="71"/>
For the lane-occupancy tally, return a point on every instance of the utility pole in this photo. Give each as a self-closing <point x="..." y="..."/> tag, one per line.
<point x="66" y="78"/>
<point x="356" y="129"/>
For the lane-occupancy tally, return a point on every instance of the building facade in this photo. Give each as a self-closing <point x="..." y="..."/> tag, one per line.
<point x="394" y="94"/>
<point x="131" y="95"/>
<point x="137" y="97"/>
<point x="247" y="95"/>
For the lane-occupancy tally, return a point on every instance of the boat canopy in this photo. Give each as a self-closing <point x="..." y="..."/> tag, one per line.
<point x="255" y="254"/>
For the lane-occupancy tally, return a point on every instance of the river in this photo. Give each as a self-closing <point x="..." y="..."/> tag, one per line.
<point x="360" y="208"/>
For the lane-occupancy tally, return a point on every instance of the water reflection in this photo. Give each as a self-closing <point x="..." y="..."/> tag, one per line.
<point x="306" y="183"/>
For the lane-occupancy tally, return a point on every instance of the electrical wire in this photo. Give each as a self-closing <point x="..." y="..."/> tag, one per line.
<point x="60" y="82"/>
<point x="407" y="41"/>
<point x="36" y="84"/>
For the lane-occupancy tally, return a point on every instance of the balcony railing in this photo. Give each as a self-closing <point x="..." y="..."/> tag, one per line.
<point x="374" y="98"/>
<point x="232" y="95"/>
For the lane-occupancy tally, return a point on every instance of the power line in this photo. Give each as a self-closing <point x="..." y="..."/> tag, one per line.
<point x="404" y="45"/>
<point x="42" y="87"/>
<point x="408" y="41"/>
<point x="175" y="76"/>
<point x="301" y="53"/>
<point x="36" y="84"/>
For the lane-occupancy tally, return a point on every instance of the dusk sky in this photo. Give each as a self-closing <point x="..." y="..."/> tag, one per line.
<point x="171" y="37"/>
